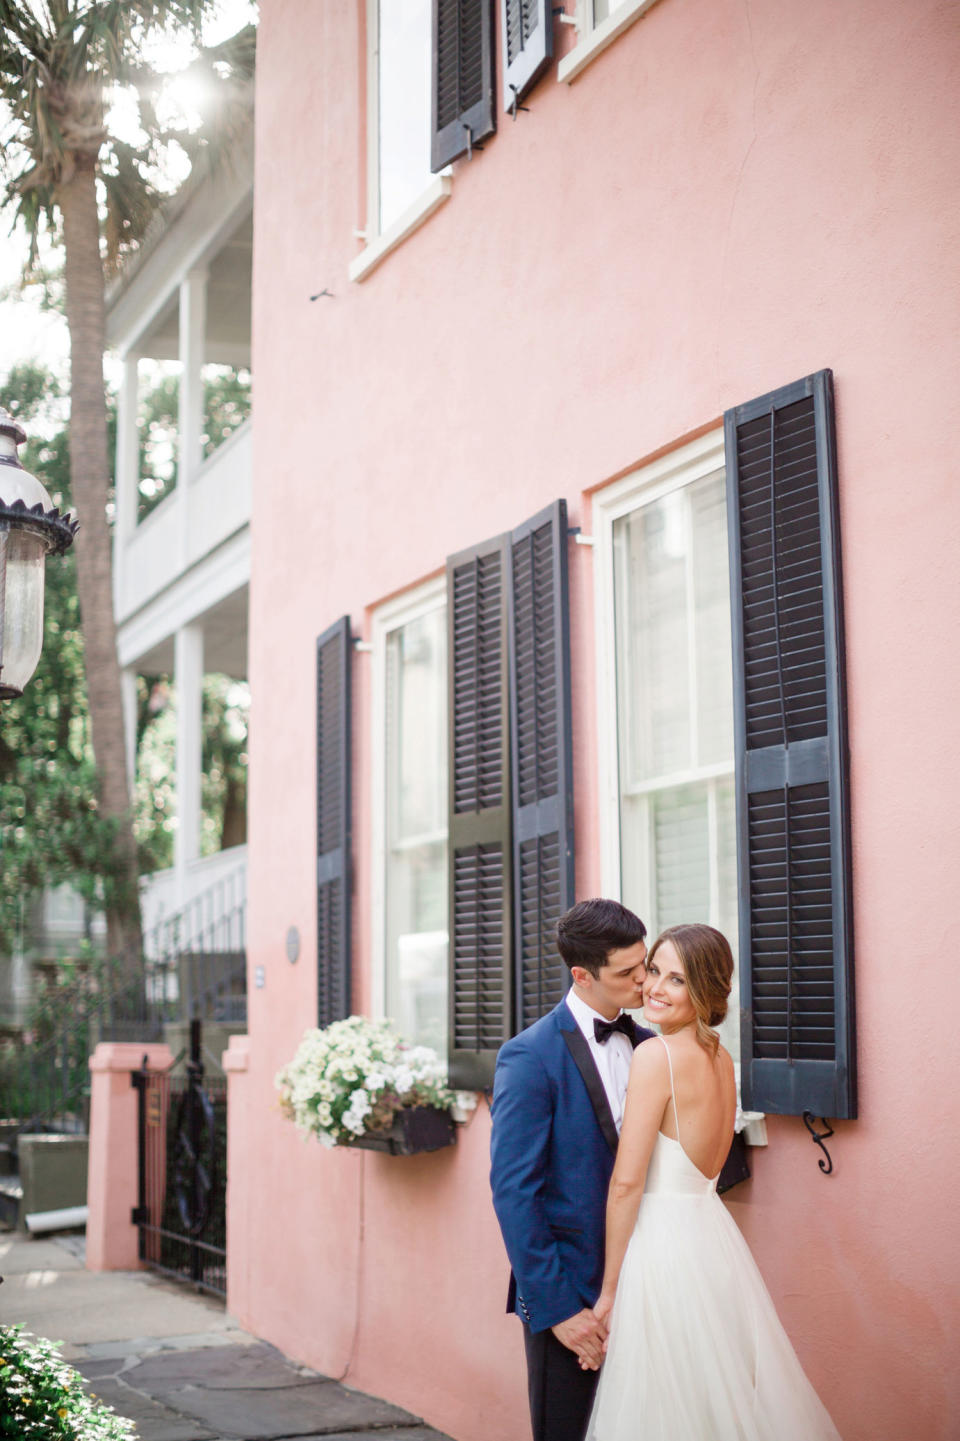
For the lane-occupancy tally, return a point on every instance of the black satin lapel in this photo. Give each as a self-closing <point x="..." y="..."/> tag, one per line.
<point x="640" y="1033"/>
<point x="580" y="1052"/>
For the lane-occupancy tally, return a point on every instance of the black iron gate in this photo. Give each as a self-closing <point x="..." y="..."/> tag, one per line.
<point x="181" y="1210"/>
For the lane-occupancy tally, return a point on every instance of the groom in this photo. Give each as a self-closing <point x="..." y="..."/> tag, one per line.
<point x="557" y="1106"/>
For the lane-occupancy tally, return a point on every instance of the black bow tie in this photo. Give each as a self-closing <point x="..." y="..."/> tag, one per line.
<point x="603" y="1030"/>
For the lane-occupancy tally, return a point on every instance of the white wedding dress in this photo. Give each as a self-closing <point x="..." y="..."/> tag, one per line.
<point x="696" y="1350"/>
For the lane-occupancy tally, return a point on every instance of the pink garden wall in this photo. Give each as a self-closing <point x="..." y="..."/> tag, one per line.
<point x="733" y="195"/>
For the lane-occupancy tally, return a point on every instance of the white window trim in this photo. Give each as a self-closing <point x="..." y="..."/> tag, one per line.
<point x="379" y="243"/>
<point x="679" y="468"/>
<point x="399" y="611"/>
<point x="595" y="38"/>
<point x="690" y="462"/>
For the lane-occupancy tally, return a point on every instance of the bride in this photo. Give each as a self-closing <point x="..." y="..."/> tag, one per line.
<point x="696" y="1351"/>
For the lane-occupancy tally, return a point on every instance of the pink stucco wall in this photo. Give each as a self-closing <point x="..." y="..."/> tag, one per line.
<point x="733" y="195"/>
<point x="113" y="1241"/>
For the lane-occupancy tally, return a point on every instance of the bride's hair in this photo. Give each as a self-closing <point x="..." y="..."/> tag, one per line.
<point x="708" y="968"/>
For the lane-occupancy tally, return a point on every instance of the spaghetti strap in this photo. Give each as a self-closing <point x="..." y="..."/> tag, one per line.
<point x="673" y="1094"/>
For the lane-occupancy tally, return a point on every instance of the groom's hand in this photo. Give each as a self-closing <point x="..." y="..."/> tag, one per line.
<point x="584" y="1334"/>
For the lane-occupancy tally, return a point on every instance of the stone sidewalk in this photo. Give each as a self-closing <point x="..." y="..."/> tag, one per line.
<point x="174" y="1362"/>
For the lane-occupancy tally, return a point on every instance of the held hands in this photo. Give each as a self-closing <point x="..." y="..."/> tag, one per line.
<point x="585" y="1333"/>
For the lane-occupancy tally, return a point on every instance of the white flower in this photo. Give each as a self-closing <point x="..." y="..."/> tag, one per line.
<point x="357" y="1062"/>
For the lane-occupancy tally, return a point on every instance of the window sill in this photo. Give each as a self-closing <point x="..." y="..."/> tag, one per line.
<point x="411" y="219"/>
<point x="753" y="1127"/>
<point x="600" y="37"/>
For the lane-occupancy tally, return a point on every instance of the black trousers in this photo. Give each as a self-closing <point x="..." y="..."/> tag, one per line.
<point x="561" y="1392"/>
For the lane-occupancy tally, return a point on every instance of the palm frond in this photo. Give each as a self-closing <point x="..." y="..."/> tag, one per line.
<point x="58" y="64"/>
<point x="227" y="73"/>
<point x="131" y="201"/>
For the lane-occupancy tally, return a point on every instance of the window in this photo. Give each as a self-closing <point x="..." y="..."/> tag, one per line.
<point x="429" y="101"/>
<point x="599" y="22"/>
<point x="401" y="190"/>
<point x="410" y="814"/>
<point x="402" y="170"/>
<point x="671" y="848"/>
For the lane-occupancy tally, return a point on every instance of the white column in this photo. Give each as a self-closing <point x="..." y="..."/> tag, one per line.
<point x="128" y="474"/>
<point x="188" y="676"/>
<point x="193" y="332"/>
<point x="128" y="693"/>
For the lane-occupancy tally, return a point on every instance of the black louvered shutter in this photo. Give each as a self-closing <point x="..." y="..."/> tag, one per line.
<point x="463" y="108"/>
<point x="541" y="755"/>
<point x="334" y="653"/>
<point x="527" y="27"/>
<point x="793" y="830"/>
<point x="479" y="838"/>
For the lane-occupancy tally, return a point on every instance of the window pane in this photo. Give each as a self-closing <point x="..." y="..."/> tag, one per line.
<point x="675" y="715"/>
<point x="651" y="556"/>
<point x="711" y="619"/>
<point x="404" y="105"/>
<point x="416" y="860"/>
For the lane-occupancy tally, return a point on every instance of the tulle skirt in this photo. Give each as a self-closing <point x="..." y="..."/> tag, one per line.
<point x="697" y="1351"/>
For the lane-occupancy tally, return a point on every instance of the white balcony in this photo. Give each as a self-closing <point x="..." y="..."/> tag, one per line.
<point x="195" y="520"/>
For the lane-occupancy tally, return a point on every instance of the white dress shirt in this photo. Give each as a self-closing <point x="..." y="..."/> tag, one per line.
<point x="612" y="1058"/>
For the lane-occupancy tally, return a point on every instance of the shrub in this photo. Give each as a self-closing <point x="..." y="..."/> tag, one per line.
<point x="42" y="1398"/>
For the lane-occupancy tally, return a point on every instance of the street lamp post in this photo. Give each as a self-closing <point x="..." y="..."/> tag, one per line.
<point x="31" y="528"/>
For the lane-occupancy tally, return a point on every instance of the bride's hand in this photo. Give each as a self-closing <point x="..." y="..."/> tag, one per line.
<point x="602" y="1309"/>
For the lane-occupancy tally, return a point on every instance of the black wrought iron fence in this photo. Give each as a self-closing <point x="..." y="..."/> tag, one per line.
<point x="194" y="966"/>
<point x="181" y="1209"/>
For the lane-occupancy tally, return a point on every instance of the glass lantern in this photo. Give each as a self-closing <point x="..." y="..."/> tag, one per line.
<point x="31" y="528"/>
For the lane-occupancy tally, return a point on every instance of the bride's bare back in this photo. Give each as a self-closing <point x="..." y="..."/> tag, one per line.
<point x="705" y="1090"/>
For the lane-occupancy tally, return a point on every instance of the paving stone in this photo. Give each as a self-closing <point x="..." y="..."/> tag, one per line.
<point x="320" y="1407"/>
<point x="154" y="1421"/>
<point x="21" y="1255"/>
<point x="258" y="1367"/>
<point x="95" y="1370"/>
<point x="394" y="1433"/>
<point x="156" y="1345"/>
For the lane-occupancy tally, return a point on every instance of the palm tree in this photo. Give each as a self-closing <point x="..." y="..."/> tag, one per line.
<point x="60" y="64"/>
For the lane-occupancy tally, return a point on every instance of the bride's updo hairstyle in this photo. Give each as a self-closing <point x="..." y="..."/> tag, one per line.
<point x="708" y="968"/>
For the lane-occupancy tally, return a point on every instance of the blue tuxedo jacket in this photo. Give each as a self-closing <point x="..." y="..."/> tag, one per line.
<point x="552" y="1152"/>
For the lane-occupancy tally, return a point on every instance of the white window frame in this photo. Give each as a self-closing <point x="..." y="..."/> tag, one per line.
<point x="379" y="243"/>
<point x="671" y="472"/>
<point x="674" y="471"/>
<point x="593" y="39"/>
<point x="390" y="616"/>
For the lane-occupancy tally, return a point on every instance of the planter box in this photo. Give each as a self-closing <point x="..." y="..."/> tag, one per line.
<point x="415" y="1129"/>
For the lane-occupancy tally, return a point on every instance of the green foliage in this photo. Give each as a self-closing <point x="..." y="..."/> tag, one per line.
<point x="158" y="427"/>
<point x="42" y="1398"/>
<point x="226" y="705"/>
<point x="226" y="710"/>
<point x="60" y="66"/>
<point x="226" y="403"/>
<point x="51" y="829"/>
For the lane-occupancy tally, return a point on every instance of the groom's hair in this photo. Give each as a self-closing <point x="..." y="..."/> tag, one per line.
<point x="590" y="930"/>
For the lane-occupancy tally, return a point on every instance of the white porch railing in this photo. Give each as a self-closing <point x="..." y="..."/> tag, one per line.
<point x="218" y="882"/>
<point x="187" y="525"/>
